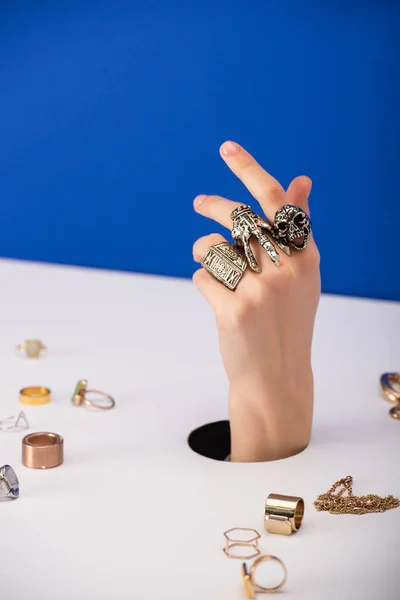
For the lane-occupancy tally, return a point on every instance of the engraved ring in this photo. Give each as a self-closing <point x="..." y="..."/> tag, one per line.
<point x="291" y="229"/>
<point x="226" y="263"/>
<point x="9" y="484"/>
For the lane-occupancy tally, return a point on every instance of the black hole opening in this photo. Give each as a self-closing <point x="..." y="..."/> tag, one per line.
<point x="212" y="440"/>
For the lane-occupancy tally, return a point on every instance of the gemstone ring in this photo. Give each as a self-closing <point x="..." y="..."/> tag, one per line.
<point x="81" y="391"/>
<point x="9" y="484"/>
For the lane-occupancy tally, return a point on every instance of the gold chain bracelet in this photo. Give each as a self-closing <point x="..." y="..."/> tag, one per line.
<point x="335" y="502"/>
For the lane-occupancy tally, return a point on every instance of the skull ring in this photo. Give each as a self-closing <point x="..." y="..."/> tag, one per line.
<point x="292" y="226"/>
<point x="246" y="224"/>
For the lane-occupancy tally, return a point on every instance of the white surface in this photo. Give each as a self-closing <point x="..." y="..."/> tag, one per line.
<point x="133" y="512"/>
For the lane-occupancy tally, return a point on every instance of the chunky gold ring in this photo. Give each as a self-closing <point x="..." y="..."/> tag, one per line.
<point x="395" y="412"/>
<point x="42" y="450"/>
<point x="79" y="396"/>
<point x="35" y="395"/>
<point x="390" y="384"/>
<point x="283" y="514"/>
<point x="32" y="348"/>
<point x="248" y="540"/>
<point x="248" y="577"/>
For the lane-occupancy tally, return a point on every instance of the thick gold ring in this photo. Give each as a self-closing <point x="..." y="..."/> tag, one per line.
<point x="248" y="577"/>
<point x="390" y="384"/>
<point x="79" y="396"/>
<point x="32" y="348"/>
<point x="35" y="395"/>
<point x="42" y="450"/>
<point x="283" y="514"/>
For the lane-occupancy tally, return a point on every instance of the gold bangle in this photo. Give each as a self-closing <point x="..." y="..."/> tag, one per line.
<point x="283" y="514"/>
<point x="248" y="577"/>
<point x="35" y="395"/>
<point x="390" y="384"/>
<point x="42" y="450"/>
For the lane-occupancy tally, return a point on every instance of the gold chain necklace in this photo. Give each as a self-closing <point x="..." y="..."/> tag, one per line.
<point x="335" y="502"/>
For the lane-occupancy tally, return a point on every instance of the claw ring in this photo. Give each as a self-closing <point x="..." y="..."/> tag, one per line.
<point x="290" y="230"/>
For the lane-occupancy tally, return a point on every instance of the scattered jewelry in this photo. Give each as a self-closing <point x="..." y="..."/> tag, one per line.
<point x="80" y="392"/>
<point x="283" y="514"/>
<point x="390" y="384"/>
<point x="251" y="587"/>
<point x="335" y="502"/>
<point x="9" y="484"/>
<point x="42" y="450"/>
<point x="249" y="541"/>
<point x="35" y="395"/>
<point x="32" y="348"/>
<point x="15" y="423"/>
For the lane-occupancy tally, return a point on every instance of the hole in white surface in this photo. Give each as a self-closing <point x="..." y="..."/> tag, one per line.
<point x="212" y="440"/>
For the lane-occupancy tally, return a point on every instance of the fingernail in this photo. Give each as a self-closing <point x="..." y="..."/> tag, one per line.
<point x="229" y="148"/>
<point x="199" y="199"/>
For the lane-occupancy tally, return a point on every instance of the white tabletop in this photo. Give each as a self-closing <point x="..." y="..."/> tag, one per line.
<point x="133" y="512"/>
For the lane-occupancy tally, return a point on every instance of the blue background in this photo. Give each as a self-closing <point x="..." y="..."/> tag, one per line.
<point x="112" y="113"/>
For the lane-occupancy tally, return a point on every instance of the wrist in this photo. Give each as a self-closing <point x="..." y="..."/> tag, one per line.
<point x="271" y="417"/>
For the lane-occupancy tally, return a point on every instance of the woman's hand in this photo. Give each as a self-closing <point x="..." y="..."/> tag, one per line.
<point x="266" y="325"/>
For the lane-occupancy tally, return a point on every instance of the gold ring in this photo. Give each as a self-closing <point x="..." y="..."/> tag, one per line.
<point x="32" y="348"/>
<point x="390" y="384"/>
<point x="248" y="540"/>
<point x="79" y="396"/>
<point x="283" y="514"/>
<point x="395" y="412"/>
<point x="248" y="577"/>
<point x="35" y="395"/>
<point x="42" y="450"/>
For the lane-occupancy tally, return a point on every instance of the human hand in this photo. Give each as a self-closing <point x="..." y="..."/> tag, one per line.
<point x="265" y="326"/>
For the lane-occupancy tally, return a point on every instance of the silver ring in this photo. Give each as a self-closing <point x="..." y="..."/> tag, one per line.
<point x="226" y="263"/>
<point x="9" y="484"/>
<point x="291" y="223"/>
<point x="15" y="423"/>
<point x="246" y="224"/>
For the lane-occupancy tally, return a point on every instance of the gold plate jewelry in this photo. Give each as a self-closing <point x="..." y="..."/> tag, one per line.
<point x="283" y="514"/>
<point x="336" y="502"/>
<point x="35" y="395"/>
<point x="251" y="587"/>
<point x="32" y="348"/>
<point x="80" y="392"/>
<point x="249" y="540"/>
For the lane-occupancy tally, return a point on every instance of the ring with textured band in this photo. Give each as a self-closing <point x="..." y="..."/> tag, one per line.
<point x="81" y="391"/>
<point x="251" y="587"/>
<point x="226" y="263"/>
<point x="9" y="484"/>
